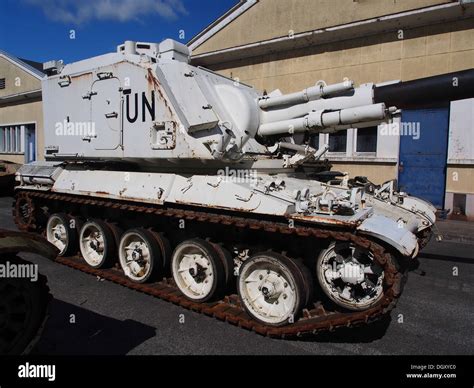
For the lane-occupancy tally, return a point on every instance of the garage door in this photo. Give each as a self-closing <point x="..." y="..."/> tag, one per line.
<point x="423" y="153"/>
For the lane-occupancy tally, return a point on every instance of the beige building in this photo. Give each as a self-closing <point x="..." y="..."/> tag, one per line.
<point x="291" y="44"/>
<point x="21" y="112"/>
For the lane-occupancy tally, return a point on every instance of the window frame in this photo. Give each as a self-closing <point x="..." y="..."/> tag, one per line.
<point x="365" y="153"/>
<point x="339" y="152"/>
<point x="351" y="153"/>
<point x="18" y="130"/>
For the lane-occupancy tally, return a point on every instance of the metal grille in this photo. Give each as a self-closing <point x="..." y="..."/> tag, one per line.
<point x="2" y="83"/>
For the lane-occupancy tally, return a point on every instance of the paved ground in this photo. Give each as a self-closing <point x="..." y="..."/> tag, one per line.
<point x="434" y="316"/>
<point x="459" y="231"/>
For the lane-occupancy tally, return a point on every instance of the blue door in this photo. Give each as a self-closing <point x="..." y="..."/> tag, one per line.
<point x="423" y="153"/>
<point x="30" y="146"/>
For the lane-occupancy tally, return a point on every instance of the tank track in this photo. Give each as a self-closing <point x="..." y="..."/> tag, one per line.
<point x="314" y="320"/>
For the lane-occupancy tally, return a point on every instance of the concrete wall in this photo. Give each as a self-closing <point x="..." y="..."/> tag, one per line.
<point x="461" y="132"/>
<point x="25" y="113"/>
<point x="423" y="52"/>
<point x="19" y="159"/>
<point x="376" y="172"/>
<point x="276" y="18"/>
<point x="17" y="80"/>
<point x="460" y="170"/>
<point x="460" y="179"/>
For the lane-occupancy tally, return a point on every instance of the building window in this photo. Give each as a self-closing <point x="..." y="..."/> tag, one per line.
<point x="367" y="140"/>
<point x="338" y="142"/>
<point x="314" y="140"/>
<point x="2" y="83"/>
<point x="10" y="140"/>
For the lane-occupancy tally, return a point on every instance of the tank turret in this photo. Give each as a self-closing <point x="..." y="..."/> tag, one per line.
<point x="147" y="103"/>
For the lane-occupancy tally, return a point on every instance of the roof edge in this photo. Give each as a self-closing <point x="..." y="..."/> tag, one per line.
<point x="23" y="65"/>
<point x="220" y="23"/>
<point x="457" y="10"/>
<point x="22" y="97"/>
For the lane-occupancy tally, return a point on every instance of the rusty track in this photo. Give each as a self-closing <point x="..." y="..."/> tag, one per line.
<point x="314" y="320"/>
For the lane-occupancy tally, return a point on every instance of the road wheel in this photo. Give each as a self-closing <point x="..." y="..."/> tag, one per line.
<point x="271" y="288"/>
<point x="97" y="244"/>
<point x="349" y="276"/>
<point x="198" y="270"/>
<point x="140" y="255"/>
<point x="61" y="232"/>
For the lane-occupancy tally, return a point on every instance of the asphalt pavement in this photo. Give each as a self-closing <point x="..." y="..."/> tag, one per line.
<point x="435" y="315"/>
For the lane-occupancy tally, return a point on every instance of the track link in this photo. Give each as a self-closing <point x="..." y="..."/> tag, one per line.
<point x="314" y="320"/>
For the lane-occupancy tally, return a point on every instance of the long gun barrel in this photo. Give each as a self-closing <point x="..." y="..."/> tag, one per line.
<point x="327" y="121"/>
<point x="426" y="91"/>
<point x="330" y="108"/>
<point x="321" y="109"/>
<point x="310" y="94"/>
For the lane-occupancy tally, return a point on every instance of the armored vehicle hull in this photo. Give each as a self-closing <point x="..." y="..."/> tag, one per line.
<point x="137" y="228"/>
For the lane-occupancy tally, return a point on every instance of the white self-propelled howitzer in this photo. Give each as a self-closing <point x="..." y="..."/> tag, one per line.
<point x="177" y="171"/>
